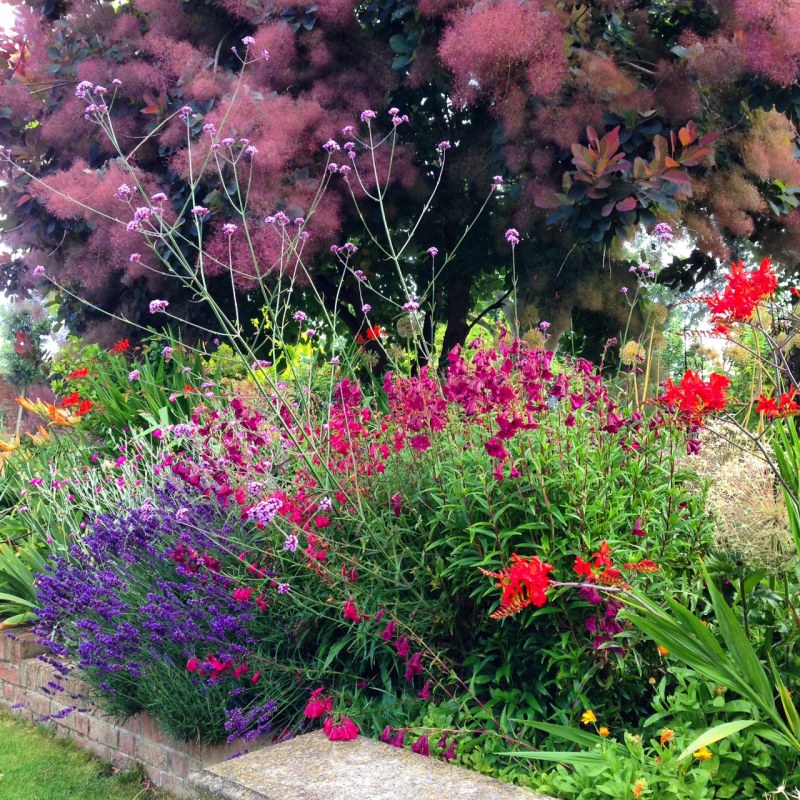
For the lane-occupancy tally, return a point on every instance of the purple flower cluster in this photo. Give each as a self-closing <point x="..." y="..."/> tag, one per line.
<point x="145" y="594"/>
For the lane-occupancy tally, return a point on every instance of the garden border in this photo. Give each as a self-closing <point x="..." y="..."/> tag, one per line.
<point x="138" y="740"/>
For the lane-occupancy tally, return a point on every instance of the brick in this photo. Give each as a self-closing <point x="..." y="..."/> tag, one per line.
<point x="153" y="755"/>
<point x="9" y="673"/>
<point x="169" y="783"/>
<point x="104" y="732"/>
<point x="14" y="694"/>
<point x="39" y="704"/>
<point x="128" y="743"/>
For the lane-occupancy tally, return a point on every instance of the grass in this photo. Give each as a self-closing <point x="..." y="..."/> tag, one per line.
<point x="37" y="765"/>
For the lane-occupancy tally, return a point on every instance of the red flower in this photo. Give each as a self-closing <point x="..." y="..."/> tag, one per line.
<point x="742" y="294"/>
<point x="524" y="583"/>
<point x="78" y="373"/>
<point x="71" y="400"/>
<point x="785" y="406"/>
<point x="583" y="569"/>
<point x="192" y="664"/>
<point x="84" y="408"/>
<point x="242" y="594"/>
<point x="603" y="557"/>
<point x="693" y="397"/>
<point x="121" y="346"/>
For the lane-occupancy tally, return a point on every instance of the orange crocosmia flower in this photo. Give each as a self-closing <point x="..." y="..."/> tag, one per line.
<point x="693" y="397"/>
<point x="663" y="651"/>
<point x="524" y="583"/>
<point x="613" y="577"/>
<point x="742" y="294"/>
<point x="645" y="565"/>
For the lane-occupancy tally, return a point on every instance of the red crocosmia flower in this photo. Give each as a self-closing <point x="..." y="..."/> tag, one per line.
<point x="742" y="294"/>
<point x="83" y="372"/>
<point x="342" y="731"/>
<point x="121" y="346"/>
<point x="645" y="565"/>
<point x="524" y="583"/>
<point x="71" y="400"/>
<point x="318" y="706"/>
<point x="583" y="569"/>
<point x="784" y="406"/>
<point x="693" y="397"/>
<point x="84" y="408"/>
<point x="602" y="558"/>
<point x="192" y="664"/>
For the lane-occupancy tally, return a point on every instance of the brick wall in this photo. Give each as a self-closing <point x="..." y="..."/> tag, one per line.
<point x="24" y="679"/>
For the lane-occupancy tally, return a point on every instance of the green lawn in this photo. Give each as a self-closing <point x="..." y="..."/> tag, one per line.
<point x="36" y="765"/>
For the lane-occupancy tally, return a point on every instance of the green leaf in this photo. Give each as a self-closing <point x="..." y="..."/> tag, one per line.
<point x="715" y="734"/>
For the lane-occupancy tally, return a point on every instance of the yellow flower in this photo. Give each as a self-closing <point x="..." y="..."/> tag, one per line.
<point x="588" y="717"/>
<point x="602" y="730"/>
<point x="703" y="754"/>
<point x="639" y="787"/>
<point x="666" y="735"/>
<point x="663" y="650"/>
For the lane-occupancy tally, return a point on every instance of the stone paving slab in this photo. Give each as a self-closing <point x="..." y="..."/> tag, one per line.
<point x="310" y="767"/>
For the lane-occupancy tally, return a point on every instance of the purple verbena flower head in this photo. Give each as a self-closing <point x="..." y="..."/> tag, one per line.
<point x="443" y="146"/>
<point x="664" y="232"/>
<point x="83" y="89"/>
<point x="512" y="236"/>
<point x="300" y="316"/>
<point x="158" y="305"/>
<point x="366" y="308"/>
<point x="248" y="41"/>
<point x="432" y="252"/>
<point x="200" y="211"/>
<point x="229" y="228"/>
<point x="367" y="116"/>
<point x="331" y="146"/>
<point x="38" y="270"/>
<point x="186" y="112"/>
<point x="135" y="258"/>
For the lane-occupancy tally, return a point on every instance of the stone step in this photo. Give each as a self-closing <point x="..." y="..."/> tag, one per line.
<point x="310" y="767"/>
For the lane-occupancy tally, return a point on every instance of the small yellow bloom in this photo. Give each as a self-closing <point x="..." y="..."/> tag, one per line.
<point x="666" y="736"/>
<point x="603" y="731"/>
<point x="639" y="787"/>
<point x="663" y="650"/>
<point x="651" y="680"/>
<point x="588" y="717"/>
<point x="703" y="754"/>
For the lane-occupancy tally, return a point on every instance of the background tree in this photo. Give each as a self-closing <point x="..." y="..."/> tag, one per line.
<point x="601" y="116"/>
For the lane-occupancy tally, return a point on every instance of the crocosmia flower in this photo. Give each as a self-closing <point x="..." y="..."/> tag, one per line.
<point x="742" y="294"/>
<point x="524" y="583"/>
<point x="693" y="397"/>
